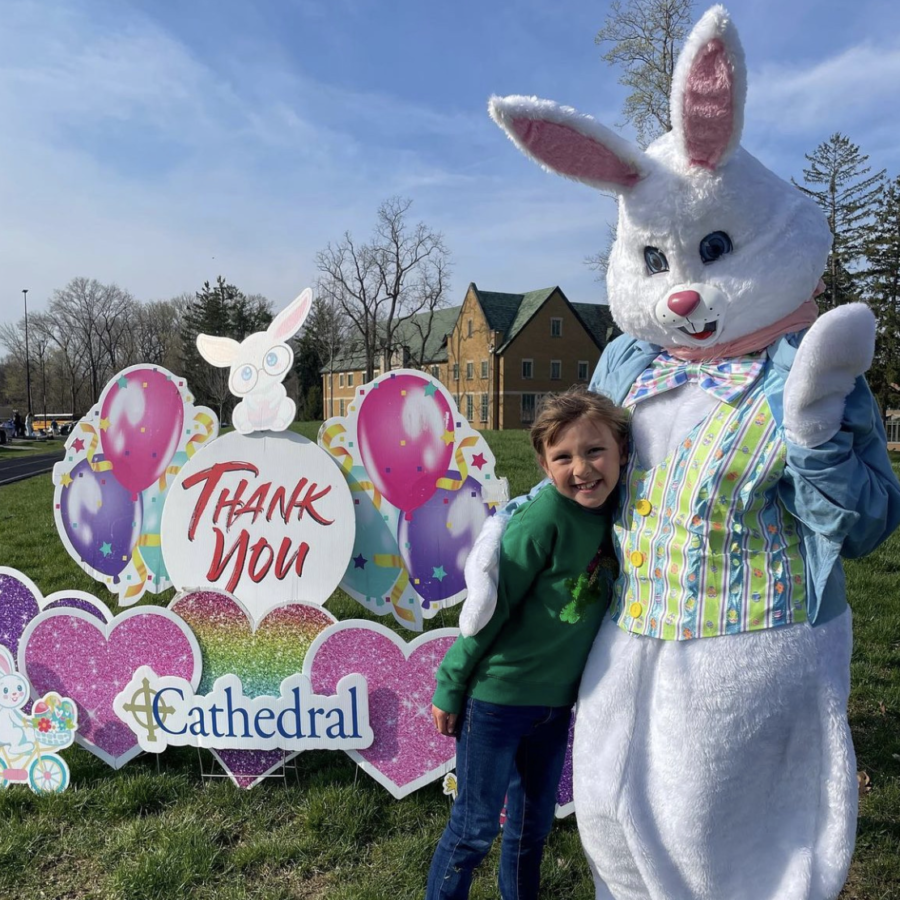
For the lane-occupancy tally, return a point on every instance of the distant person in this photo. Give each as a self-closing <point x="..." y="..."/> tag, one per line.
<point x="54" y="427"/>
<point x="18" y="424"/>
<point x="506" y="693"/>
<point x="29" y="425"/>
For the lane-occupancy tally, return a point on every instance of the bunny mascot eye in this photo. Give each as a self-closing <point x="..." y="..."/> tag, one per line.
<point x="244" y="379"/>
<point x="714" y="246"/>
<point x="656" y="260"/>
<point x="277" y="360"/>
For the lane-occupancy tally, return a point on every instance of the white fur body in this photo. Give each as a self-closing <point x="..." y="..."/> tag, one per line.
<point x="717" y="768"/>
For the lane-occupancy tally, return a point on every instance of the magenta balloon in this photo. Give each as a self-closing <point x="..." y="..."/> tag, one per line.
<point x="142" y="417"/>
<point x="405" y="431"/>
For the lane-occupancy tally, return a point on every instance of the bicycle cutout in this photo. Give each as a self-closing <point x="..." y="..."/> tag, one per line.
<point x="24" y="739"/>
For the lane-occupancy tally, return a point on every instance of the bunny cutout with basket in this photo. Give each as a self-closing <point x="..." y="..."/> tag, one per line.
<point x="25" y="740"/>
<point x="712" y="757"/>
<point x="258" y="365"/>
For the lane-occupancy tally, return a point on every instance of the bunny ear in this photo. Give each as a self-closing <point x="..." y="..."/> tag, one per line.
<point x="7" y="666"/>
<point x="217" y="351"/>
<point x="569" y="143"/>
<point x="709" y="89"/>
<point x="287" y="323"/>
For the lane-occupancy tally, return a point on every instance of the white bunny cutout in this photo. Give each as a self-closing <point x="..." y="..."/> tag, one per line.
<point x="14" y="692"/>
<point x="258" y="365"/>
<point x="712" y="755"/>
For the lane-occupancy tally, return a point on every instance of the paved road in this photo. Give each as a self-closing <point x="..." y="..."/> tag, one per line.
<point x="25" y="466"/>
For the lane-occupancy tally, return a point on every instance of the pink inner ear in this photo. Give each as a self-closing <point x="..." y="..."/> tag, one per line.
<point x="573" y="154"/>
<point x="708" y="107"/>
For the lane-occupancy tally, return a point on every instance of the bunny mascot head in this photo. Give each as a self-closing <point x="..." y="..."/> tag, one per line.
<point x="713" y="758"/>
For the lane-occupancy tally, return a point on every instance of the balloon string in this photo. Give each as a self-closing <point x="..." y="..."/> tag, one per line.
<point x="451" y="484"/>
<point x="206" y="423"/>
<point x="102" y="466"/>
<point x="393" y="561"/>
<point x="368" y="486"/>
<point x="170" y="470"/>
<point x="136" y="589"/>
<point x="341" y="454"/>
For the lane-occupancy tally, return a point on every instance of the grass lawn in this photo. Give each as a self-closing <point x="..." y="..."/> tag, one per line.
<point x="154" y="829"/>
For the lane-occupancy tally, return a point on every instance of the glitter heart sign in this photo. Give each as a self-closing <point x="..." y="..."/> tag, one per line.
<point x="266" y="518"/>
<point x="423" y="484"/>
<point x="261" y="654"/>
<point x="21" y="600"/>
<point x="112" y="484"/>
<point x="407" y="752"/>
<point x="73" y="653"/>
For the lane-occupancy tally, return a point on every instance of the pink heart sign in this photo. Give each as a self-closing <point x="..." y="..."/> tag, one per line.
<point x="261" y="654"/>
<point x="73" y="653"/>
<point x="407" y="752"/>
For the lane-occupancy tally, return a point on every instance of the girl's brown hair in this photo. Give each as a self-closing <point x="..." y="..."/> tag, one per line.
<point x="558" y="411"/>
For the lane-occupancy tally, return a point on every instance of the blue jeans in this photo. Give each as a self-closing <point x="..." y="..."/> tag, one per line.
<point x="515" y="752"/>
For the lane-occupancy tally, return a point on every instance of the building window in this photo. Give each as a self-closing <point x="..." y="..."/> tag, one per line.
<point x="484" y="368"/>
<point x="582" y="370"/>
<point x="555" y="369"/>
<point x="484" y="407"/>
<point x="470" y="407"/>
<point x="527" y="409"/>
<point x="456" y="371"/>
<point x="469" y="328"/>
<point x="349" y="379"/>
<point x="342" y="407"/>
<point x="528" y="368"/>
<point x="341" y="380"/>
<point x="470" y="371"/>
<point x="556" y="328"/>
<point x="435" y="372"/>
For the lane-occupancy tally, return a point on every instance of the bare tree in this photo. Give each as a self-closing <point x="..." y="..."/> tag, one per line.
<point x="156" y="333"/>
<point x="99" y="318"/>
<point x="646" y="36"/>
<point x="401" y="272"/>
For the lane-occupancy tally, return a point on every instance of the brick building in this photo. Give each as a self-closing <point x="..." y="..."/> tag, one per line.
<point x="497" y="354"/>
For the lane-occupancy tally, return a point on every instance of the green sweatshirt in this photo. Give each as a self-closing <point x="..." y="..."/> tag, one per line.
<point x="533" y="650"/>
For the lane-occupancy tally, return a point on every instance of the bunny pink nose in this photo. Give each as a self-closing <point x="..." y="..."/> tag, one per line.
<point x="683" y="303"/>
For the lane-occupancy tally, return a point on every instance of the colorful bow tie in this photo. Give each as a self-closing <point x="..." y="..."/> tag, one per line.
<point x="726" y="379"/>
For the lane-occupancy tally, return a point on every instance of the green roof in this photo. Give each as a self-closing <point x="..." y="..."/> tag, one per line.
<point x="409" y="333"/>
<point x="510" y="313"/>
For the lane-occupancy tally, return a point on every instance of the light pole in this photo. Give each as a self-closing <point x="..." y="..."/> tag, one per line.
<point x="27" y="361"/>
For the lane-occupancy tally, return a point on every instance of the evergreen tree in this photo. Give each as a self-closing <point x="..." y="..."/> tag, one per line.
<point x="224" y="311"/>
<point x="847" y="194"/>
<point x="883" y="294"/>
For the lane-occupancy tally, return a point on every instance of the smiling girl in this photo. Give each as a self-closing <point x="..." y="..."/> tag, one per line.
<point x="506" y="693"/>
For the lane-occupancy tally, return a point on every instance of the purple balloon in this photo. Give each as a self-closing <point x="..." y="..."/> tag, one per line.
<point x="436" y="539"/>
<point x="102" y="519"/>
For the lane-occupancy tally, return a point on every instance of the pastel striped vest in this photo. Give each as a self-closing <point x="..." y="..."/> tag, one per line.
<point x="706" y="546"/>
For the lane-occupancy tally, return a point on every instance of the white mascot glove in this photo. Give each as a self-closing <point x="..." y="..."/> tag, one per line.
<point x="482" y="568"/>
<point x="837" y="348"/>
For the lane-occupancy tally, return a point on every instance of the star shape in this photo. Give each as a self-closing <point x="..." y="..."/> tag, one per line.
<point x="479" y="461"/>
<point x="104" y="424"/>
<point x="439" y="573"/>
<point x="430" y="389"/>
<point x="359" y="562"/>
<point x="106" y="548"/>
<point x="65" y="480"/>
<point x="447" y="437"/>
<point x="78" y="445"/>
<point x="122" y="382"/>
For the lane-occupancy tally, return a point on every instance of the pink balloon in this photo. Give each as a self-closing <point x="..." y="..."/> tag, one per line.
<point x="405" y="430"/>
<point x="141" y="421"/>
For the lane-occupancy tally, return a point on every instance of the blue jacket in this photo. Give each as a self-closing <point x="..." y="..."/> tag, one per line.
<point x="843" y="493"/>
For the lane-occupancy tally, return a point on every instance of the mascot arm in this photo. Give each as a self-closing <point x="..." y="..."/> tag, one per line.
<point x="483" y="565"/>
<point x="845" y="489"/>
<point x="522" y="559"/>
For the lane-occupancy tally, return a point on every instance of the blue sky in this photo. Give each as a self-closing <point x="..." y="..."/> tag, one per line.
<point x="158" y="144"/>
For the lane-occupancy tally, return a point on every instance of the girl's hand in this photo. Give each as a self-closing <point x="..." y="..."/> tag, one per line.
<point x="444" y="722"/>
